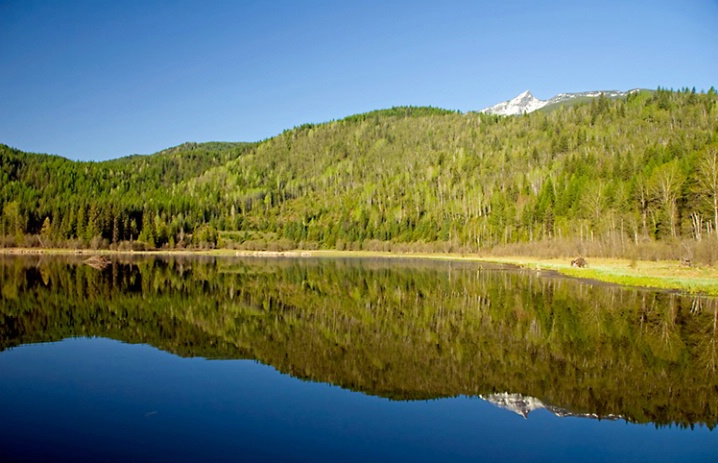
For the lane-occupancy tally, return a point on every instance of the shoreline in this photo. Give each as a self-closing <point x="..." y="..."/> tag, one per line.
<point x="663" y="275"/>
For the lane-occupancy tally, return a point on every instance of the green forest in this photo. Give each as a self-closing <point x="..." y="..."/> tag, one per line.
<point x="402" y="330"/>
<point x="605" y="177"/>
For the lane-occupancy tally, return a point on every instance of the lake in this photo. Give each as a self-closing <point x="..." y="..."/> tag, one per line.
<point x="249" y="359"/>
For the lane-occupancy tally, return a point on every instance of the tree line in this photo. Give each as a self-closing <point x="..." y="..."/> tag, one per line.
<point x="623" y="172"/>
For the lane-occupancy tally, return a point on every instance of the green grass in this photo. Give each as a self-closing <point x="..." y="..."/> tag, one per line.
<point x="692" y="285"/>
<point x="668" y="275"/>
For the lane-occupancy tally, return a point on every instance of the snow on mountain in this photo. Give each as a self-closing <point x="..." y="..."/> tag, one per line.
<point x="523" y="405"/>
<point x="526" y="102"/>
<point x="517" y="403"/>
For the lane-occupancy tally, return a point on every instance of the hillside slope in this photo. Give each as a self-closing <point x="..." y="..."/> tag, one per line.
<point x="616" y="171"/>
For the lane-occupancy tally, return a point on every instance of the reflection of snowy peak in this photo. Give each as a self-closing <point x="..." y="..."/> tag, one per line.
<point x="526" y="102"/>
<point x="517" y="403"/>
<point x="523" y="405"/>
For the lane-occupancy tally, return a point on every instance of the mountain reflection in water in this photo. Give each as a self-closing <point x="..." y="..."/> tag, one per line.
<point x="523" y="405"/>
<point x="397" y="329"/>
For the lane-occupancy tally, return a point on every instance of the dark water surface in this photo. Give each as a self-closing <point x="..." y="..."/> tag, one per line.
<point x="347" y="360"/>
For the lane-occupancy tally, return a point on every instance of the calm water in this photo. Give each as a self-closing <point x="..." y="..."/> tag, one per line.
<point x="347" y="360"/>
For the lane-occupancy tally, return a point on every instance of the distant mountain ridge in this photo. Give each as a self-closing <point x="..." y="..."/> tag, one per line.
<point x="527" y="103"/>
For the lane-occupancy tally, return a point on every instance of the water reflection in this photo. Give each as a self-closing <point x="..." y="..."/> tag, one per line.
<point x="400" y="330"/>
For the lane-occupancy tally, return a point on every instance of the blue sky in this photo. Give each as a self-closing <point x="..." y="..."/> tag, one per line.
<point x="94" y="80"/>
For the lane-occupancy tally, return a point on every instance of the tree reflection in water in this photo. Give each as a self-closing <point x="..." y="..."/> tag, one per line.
<point x="398" y="329"/>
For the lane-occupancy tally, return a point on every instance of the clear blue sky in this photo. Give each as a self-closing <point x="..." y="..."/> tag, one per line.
<point x="94" y="80"/>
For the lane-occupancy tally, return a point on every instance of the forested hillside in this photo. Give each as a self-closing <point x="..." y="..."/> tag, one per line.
<point x="49" y="200"/>
<point x="614" y="173"/>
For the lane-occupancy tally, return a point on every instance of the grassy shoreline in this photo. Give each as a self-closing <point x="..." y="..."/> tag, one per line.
<point x="665" y="275"/>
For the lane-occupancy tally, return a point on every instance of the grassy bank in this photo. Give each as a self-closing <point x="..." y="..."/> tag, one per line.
<point x="667" y="275"/>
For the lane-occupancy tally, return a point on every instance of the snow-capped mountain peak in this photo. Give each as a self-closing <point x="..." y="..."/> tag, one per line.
<point x="527" y="96"/>
<point x="526" y="102"/>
